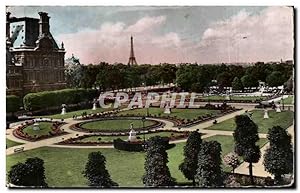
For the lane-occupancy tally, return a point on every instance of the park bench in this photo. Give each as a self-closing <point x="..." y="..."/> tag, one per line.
<point x="19" y="149"/>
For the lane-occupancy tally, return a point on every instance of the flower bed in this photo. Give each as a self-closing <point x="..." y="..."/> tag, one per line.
<point x="76" y="141"/>
<point x="55" y="130"/>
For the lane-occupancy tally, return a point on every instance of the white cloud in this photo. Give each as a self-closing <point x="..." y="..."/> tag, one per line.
<point x="111" y="42"/>
<point x="245" y="37"/>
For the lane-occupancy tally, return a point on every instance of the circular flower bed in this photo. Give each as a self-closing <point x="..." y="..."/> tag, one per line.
<point x="116" y="124"/>
<point x="25" y="131"/>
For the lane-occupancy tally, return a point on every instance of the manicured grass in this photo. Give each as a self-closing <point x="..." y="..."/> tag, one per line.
<point x="45" y="127"/>
<point x="288" y="101"/>
<point x="219" y="97"/>
<point x="283" y="119"/>
<point x="111" y="138"/>
<point x="78" y="113"/>
<point x="180" y="113"/>
<point x="116" y="124"/>
<point x="64" y="165"/>
<point x="10" y="143"/>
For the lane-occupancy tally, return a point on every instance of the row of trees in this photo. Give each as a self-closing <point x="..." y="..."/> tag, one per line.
<point x="201" y="164"/>
<point x="32" y="172"/>
<point x="202" y="159"/>
<point x="190" y="77"/>
<point x="118" y="76"/>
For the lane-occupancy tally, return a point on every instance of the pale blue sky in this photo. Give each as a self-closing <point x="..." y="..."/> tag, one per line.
<point x="188" y="21"/>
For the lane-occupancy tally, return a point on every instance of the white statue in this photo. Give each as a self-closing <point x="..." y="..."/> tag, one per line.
<point x="278" y="110"/>
<point x="36" y="126"/>
<point x="132" y="134"/>
<point x="227" y="97"/>
<point x="167" y="109"/>
<point x="266" y="115"/>
<point x="94" y="107"/>
<point x="63" y="110"/>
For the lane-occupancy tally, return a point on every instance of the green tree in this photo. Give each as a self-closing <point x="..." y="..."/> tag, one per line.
<point x="275" y="79"/>
<point x="12" y="103"/>
<point x="190" y="163"/>
<point x="73" y="72"/>
<point x="30" y="173"/>
<point x="224" y="80"/>
<point x="96" y="172"/>
<point x="278" y="159"/>
<point x="237" y="84"/>
<point x="209" y="172"/>
<point x="157" y="173"/>
<point x="232" y="160"/>
<point x="245" y="137"/>
<point x="249" y="81"/>
<point x="289" y="84"/>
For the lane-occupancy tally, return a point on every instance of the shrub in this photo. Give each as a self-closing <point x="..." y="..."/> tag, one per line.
<point x="157" y="173"/>
<point x="13" y="103"/>
<point x="190" y="163"/>
<point x="96" y="172"/>
<point x="278" y="159"/>
<point x="30" y="173"/>
<point x="46" y="99"/>
<point x="209" y="172"/>
<point x="127" y="146"/>
<point x="245" y="137"/>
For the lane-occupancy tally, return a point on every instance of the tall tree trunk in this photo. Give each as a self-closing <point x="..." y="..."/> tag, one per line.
<point x="251" y="173"/>
<point x="194" y="183"/>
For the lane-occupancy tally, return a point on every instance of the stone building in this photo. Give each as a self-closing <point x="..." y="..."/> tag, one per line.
<point x="34" y="62"/>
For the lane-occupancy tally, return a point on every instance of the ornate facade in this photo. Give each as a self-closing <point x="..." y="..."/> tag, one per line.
<point x="34" y="62"/>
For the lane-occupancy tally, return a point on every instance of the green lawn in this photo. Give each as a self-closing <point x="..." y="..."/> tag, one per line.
<point x="180" y="113"/>
<point x="288" y="101"/>
<point x="78" y="113"/>
<point x="218" y="97"/>
<point x="116" y="124"/>
<point x="283" y="119"/>
<point x="111" y="138"/>
<point x="10" y="143"/>
<point x="45" y="127"/>
<point x="64" y="165"/>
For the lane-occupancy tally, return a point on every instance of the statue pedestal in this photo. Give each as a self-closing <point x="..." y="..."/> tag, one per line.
<point x="132" y="136"/>
<point x="278" y="110"/>
<point x="63" y="111"/>
<point x="94" y="107"/>
<point x="266" y="115"/>
<point x="167" y="111"/>
<point x="36" y="126"/>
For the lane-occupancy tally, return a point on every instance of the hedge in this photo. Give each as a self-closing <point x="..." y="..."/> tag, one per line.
<point x="46" y="99"/>
<point x="128" y="146"/>
<point x="13" y="103"/>
<point x="136" y="146"/>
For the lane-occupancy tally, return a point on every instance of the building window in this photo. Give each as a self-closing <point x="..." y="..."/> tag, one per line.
<point x="46" y="61"/>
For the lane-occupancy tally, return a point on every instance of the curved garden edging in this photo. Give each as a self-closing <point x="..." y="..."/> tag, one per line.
<point x="78" y="127"/>
<point x="74" y="141"/>
<point x="56" y="131"/>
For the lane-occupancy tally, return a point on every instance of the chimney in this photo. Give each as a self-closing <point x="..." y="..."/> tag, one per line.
<point x="44" y="23"/>
<point x="7" y="26"/>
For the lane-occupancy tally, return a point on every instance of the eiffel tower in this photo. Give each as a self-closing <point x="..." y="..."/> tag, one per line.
<point x="132" y="60"/>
